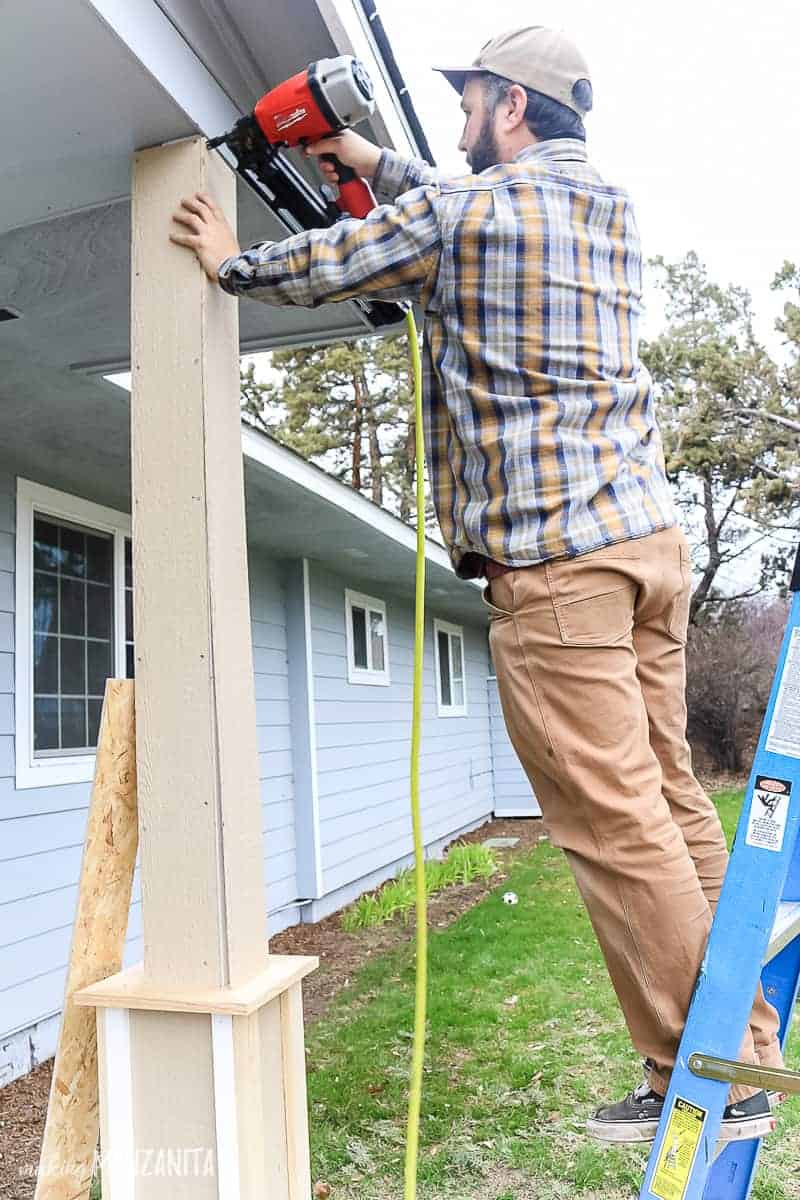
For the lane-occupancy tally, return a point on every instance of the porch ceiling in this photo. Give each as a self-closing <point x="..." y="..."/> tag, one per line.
<point x="83" y="101"/>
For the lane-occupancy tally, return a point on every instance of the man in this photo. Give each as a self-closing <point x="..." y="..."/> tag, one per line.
<point x="548" y="477"/>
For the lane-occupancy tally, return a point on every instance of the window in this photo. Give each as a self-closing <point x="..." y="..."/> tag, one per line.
<point x="73" y="629"/>
<point x="367" y="639"/>
<point x="451" y="687"/>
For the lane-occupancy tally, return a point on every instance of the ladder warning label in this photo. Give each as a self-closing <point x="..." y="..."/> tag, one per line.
<point x="766" y="824"/>
<point x="783" y="736"/>
<point x="678" y="1150"/>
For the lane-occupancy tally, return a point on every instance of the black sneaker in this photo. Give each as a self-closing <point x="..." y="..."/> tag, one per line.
<point x="635" y="1119"/>
<point x="745" y="1119"/>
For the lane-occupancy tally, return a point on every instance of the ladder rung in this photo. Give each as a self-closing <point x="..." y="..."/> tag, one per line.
<point x="785" y="929"/>
<point x="776" y="1079"/>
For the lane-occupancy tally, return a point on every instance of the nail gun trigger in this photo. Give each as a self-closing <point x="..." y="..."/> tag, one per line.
<point x="329" y="196"/>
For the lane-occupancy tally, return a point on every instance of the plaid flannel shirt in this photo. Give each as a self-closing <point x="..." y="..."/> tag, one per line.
<point x="540" y="430"/>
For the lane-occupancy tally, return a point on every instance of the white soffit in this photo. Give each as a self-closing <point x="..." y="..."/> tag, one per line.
<point x="164" y="54"/>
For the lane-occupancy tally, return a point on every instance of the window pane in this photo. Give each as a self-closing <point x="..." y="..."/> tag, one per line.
<point x="98" y="663"/>
<point x="45" y="724"/>
<point x="73" y="724"/>
<point x="45" y="603"/>
<point x="45" y="664"/>
<point x="444" y="668"/>
<point x="73" y="551"/>
<point x="359" y="637"/>
<point x="458" y="693"/>
<point x="46" y="554"/>
<point x="98" y="558"/>
<point x="128" y="615"/>
<point x="458" y="665"/>
<point x="130" y="670"/>
<point x="377" y="637"/>
<point x="73" y="667"/>
<point x="95" y="709"/>
<point x="73" y="599"/>
<point x="128" y="563"/>
<point x="98" y="611"/>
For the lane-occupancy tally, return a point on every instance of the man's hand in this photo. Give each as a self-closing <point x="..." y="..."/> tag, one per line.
<point x="208" y="233"/>
<point x="352" y="150"/>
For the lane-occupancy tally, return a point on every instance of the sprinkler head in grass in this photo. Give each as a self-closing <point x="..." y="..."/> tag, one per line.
<point x="510" y="898"/>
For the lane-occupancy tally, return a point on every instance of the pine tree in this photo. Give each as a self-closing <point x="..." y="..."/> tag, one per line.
<point x="727" y="424"/>
<point x="348" y="407"/>
<point x="788" y="280"/>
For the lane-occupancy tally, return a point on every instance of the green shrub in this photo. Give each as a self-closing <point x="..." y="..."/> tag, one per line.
<point x="463" y="864"/>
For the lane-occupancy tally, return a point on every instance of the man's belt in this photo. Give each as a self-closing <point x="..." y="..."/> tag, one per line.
<point x="492" y="569"/>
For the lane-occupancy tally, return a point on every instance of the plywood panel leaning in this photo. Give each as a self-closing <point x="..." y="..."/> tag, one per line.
<point x="109" y="857"/>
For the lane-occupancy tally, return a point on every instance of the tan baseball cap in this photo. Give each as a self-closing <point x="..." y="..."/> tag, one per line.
<point x="539" y="58"/>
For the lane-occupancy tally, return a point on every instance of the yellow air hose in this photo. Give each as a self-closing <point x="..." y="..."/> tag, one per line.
<point x="420" y="1007"/>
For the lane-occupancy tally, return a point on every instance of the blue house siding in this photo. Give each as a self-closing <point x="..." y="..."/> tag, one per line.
<point x="271" y="666"/>
<point x="41" y="844"/>
<point x="334" y="793"/>
<point x="42" y="829"/>
<point x="363" y="740"/>
<point x="513" y="794"/>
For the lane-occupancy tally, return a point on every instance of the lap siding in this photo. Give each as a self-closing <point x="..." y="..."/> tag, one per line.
<point x="363" y="738"/>
<point x="42" y="829"/>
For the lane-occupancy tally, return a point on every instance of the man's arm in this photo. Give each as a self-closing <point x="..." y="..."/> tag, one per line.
<point x="391" y="254"/>
<point x="395" y="175"/>
<point x="390" y="173"/>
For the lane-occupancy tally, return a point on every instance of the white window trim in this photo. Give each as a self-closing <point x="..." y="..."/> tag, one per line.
<point x="360" y="674"/>
<point x="449" y="710"/>
<point x="34" y="498"/>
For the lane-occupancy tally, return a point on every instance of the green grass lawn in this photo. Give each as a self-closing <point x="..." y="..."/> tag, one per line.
<point x="525" y="1039"/>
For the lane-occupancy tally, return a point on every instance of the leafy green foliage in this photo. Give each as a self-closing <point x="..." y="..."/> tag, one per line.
<point x="463" y="864"/>
<point x="727" y="418"/>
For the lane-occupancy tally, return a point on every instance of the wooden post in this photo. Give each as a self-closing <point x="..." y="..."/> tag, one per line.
<point x="101" y="918"/>
<point x="203" y="895"/>
<point x="201" y="1059"/>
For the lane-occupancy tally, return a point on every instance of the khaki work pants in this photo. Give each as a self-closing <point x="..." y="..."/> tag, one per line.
<point x="589" y="654"/>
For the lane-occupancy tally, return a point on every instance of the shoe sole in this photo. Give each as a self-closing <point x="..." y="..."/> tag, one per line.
<point x="744" y="1131"/>
<point x="631" y="1131"/>
<point x="637" y="1132"/>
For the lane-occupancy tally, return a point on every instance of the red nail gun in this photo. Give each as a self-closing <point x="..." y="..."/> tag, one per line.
<point x="321" y="101"/>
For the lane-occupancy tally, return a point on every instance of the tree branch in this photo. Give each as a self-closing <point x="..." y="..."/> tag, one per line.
<point x="763" y="415"/>
<point x="730" y="555"/>
<point x="700" y="594"/>
<point x="729" y="509"/>
<point x="738" y="596"/>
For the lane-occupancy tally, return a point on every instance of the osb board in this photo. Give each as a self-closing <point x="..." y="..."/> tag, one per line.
<point x="101" y="919"/>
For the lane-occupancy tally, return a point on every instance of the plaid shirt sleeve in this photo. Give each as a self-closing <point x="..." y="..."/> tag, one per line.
<point x="392" y="254"/>
<point x="396" y="174"/>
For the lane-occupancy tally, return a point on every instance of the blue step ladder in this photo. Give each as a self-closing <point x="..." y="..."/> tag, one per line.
<point x="756" y="932"/>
